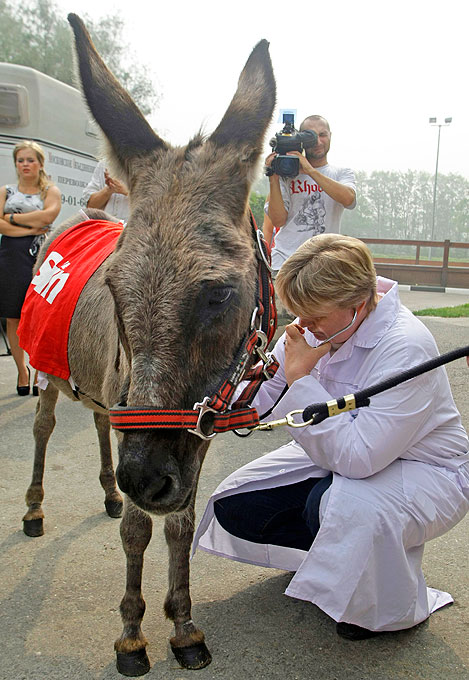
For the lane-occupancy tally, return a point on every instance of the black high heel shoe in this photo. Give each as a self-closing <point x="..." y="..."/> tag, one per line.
<point x="23" y="390"/>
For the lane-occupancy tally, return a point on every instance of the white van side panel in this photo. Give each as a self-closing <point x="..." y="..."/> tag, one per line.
<point x="59" y="121"/>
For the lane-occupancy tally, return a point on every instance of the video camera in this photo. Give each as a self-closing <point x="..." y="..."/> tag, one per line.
<point x="287" y="140"/>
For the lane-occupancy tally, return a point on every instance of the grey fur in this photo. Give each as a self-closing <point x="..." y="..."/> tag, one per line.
<point x="188" y="234"/>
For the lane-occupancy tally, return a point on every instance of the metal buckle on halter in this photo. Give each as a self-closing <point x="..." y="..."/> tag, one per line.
<point x="260" y="238"/>
<point x="259" y="349"/>
<point x="253" y="318"/>
<point x="203" y="409"/>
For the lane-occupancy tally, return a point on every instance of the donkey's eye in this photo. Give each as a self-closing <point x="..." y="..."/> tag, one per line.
<point x="213" y="302"/>
<point x="220" y="296"/>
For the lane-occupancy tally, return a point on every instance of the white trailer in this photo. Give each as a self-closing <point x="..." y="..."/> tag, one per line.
<point x="38" y="107"/>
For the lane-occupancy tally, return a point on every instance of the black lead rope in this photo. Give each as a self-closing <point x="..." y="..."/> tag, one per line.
<point x="319" y="412"/>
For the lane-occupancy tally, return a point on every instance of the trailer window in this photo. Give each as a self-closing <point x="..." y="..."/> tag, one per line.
<point x="14" y="108"/>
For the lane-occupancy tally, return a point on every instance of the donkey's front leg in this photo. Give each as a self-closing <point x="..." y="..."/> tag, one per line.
<point x="188" y="642"/>
<point x="44" y="423"/>
<point x="107" y="477"/>
<point x="135" y="529"/>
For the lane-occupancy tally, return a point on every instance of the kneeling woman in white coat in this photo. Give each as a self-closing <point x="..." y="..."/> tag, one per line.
<point x="349" y="504"/>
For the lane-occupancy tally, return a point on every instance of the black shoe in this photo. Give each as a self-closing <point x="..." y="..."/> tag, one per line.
<point x="351" y="632"/>
<point x="35" y="391"/>
<point x="23" y="390"/>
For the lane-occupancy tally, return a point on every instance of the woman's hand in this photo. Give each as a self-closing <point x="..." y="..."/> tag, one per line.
<point x="37" y="231"/>
<point x="300" y="358"/>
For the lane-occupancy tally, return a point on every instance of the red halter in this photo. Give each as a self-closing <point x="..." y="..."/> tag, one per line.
<point x="255" y="342"/>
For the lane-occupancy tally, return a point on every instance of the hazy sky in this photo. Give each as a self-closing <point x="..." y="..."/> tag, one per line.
<point x="376" y="72"/>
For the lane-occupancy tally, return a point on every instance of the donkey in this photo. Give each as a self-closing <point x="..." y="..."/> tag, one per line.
<point x="160" y="321"/>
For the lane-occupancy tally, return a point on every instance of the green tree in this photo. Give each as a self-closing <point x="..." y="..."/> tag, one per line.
<point x="400" y="205"/>
<point x="33" y="34"/>
<point x="452" y="208"/>
<point x="256" y="202"/>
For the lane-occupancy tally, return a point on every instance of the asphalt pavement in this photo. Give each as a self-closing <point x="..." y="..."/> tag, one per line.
<point x="428" y="299"/>
<point x="60" y="593"/>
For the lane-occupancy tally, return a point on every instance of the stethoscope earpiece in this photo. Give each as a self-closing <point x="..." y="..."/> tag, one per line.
<point x="342" y="330"/>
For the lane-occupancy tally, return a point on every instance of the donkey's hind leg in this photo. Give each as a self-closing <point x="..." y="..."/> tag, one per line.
<point x="107" y="477"/>
<point x="44" y="423"/>
<point x="136" y="529"/>
<point x="188" y="643"/>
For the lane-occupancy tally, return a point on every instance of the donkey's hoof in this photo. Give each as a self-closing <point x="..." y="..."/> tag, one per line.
<point x="113" y="508"/>
<point x="33" y="527"/>
<point x="193" y="657"/>
<point x="133" y="664"/>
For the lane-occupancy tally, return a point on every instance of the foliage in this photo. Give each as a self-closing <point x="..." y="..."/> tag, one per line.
<point x="399" y="205"/>
<point x="34" y="34"/>
<point x="257" y="206"/>
<point x="446" y="312"/>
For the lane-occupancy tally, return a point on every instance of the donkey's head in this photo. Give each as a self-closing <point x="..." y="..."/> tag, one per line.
<point x="183" y="273"/>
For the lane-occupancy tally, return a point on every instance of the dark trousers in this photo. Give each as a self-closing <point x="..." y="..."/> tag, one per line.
<point x="285" y="515"/>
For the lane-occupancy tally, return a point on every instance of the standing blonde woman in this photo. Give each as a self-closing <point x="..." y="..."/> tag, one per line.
<point x="28" y="208"/>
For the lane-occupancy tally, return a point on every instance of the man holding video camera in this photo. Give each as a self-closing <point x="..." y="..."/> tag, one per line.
<point x="308" y="199"/>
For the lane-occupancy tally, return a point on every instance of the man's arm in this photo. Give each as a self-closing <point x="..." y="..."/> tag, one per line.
<point x="97" y="193"/>
<point x="268" y="227"/>
<point x="338" y="192"/>
<point x="112" y="186"/>
<point x="277" y="212"/>
<point x="99" y="199"/>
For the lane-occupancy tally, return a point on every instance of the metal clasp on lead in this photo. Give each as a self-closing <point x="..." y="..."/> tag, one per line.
<point x="287" y="420"/>
<point x="259" y="349"/>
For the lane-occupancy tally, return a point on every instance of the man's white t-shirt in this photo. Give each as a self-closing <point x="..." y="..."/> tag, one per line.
<point x="310" y="211"/>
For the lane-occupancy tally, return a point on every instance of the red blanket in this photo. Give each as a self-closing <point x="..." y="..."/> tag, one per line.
<point x="53" y="293"/>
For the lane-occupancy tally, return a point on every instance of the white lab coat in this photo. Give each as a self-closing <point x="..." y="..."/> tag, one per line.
<point x="401" y="476"/>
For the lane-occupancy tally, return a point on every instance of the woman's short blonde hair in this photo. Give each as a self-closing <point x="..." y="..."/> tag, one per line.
<point x="44" y="182"/>
<point x="327" y="270"/>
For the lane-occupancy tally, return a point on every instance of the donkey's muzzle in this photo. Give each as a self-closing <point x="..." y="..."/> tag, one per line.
<point x="150" y="478"/>
<point x="148" y="491"/>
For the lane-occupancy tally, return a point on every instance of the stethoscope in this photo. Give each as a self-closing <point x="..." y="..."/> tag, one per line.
<point x="342" y="330"/>
<point x="284" y="391"/>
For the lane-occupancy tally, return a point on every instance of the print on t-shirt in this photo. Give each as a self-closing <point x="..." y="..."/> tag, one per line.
<point x="312" y="215"/>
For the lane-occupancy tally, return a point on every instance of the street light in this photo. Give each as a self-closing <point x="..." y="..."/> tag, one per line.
<point x="433" y="121"/>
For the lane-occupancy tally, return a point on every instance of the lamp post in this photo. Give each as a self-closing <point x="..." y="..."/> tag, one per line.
<point x="433" y="121"/>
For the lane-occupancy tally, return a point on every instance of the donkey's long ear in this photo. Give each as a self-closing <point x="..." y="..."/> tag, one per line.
<point x="250" y="112"/>
<point x="119" y="118"/>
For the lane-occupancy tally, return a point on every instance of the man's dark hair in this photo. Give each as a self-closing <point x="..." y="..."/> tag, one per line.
<point x="315" y="117"/>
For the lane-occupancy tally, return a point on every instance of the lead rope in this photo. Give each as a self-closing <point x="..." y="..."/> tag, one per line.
<point x="316" y="413"/>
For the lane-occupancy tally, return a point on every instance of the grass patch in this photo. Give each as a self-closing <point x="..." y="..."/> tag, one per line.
<point x="446" y="312"/>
